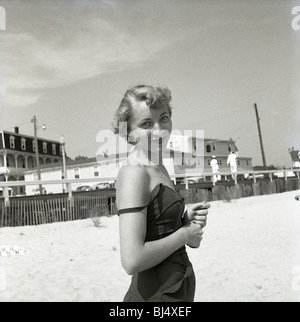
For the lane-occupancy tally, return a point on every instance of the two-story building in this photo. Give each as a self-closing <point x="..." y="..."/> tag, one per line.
<point x="18" y="154"/>
<point x="192" y="154"/>
<point x="89" y="168"/>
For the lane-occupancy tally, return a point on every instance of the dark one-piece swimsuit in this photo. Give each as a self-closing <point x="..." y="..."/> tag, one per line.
<point x="173" y="279"/>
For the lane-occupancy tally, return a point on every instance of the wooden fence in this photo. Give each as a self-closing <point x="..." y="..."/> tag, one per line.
<point x="36" y="211"/>
<point x="42" y="209"/>
<point x="240" y="190"/>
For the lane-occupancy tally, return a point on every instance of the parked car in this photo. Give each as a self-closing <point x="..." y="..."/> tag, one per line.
<point x="102" y="185"/>
<point x="257" y="176"/>
<point x="84" y="188"/>
<point x="193" y="180"/>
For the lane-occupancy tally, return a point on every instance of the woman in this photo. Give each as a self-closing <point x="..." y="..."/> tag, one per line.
<point x="153" y="225"/>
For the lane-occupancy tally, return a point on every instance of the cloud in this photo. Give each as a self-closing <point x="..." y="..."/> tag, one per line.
<point x="67" y="54"/>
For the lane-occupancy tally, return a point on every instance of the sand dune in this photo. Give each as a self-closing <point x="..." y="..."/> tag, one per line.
<point x="250" y="252"/>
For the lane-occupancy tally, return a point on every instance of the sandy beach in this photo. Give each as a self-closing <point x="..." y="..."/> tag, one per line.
<point x="250" y="252"/>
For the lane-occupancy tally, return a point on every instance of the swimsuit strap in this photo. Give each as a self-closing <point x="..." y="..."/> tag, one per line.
<point x="124" y="211"/>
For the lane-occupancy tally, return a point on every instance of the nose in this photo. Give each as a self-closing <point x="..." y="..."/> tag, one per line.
<point x="156" y="128"/>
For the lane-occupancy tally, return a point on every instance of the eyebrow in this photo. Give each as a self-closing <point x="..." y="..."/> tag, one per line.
<point x="149" y="119"/>
<point x="164" y="113"/>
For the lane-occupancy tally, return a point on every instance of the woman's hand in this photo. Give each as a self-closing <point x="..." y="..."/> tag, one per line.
<point x="194" y="232"/>
<point x="197" y="213"/>
<point x="194" y="235"/>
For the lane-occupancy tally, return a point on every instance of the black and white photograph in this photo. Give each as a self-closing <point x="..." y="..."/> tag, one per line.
<point x="150" y="152"/>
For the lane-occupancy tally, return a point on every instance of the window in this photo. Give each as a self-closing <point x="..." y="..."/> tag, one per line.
<point x="60" y="150"/>
<point x="23" y="144"/>
<point x="220" y="162"/>
<point x="182" y="158"/>
<point x="229" y="148"/>
<point x="208" y="162"/>
<point x="96" y="171"/>
<point x="33" y="146"/>
<point x="45" y="147"/>
<point x="247" y="162"/>
<point x="53" y="148"/>
<point x="208" y="148"/>
<point x="12" y="142"/>
<point x="76" y="173"/>
<point x="214" y="148"/>
<point x="238" y="162"/>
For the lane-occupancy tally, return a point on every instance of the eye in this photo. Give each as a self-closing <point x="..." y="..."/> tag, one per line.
<point x="165" y="118"/>
<point x="146" y="125"/>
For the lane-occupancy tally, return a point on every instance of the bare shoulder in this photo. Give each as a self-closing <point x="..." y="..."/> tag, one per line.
<point x="132" y="186"/>
<point x="134" y="173"/>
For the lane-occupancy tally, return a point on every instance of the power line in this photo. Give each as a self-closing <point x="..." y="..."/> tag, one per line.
<point x="221" y="116"/>
<point x="247" y="137"/>
<point x="236" y="130"/>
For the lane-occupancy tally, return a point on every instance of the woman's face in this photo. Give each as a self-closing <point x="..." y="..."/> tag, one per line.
<point x="150" y="127"/>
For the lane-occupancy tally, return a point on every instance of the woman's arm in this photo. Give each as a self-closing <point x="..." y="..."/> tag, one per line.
<point x="136" y="254"/>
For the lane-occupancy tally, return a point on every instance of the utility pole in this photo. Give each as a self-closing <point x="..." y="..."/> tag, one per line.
<point x="260" y="138"/>
<point x="37" y="159"/>
<point x="63" y="151"/>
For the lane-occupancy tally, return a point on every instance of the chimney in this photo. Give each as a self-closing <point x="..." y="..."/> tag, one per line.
<point x="16" y="129"/>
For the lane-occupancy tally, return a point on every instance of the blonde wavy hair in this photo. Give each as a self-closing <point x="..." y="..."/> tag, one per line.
<point x="155" y="96"/>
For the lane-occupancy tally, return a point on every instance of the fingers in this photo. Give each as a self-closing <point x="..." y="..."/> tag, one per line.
<point x="201" y="223"/>
<point x="203" y="212"/>
<point x="198" y="213"/>
<point x="201" y="205"/>
<point x="200" y="220"/>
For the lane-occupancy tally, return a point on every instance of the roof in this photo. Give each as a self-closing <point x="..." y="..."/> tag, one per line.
<point x="201" y="137"/>
<point x="30" y="136"/>
<point x="70" y="163"/>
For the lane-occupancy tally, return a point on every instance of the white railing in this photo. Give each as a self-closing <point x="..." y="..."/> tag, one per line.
<point x="250" y="174"/>
<point x="284" y="173"/>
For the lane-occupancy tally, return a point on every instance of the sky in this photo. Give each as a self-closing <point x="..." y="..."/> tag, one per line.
<point x="70" y="62"/>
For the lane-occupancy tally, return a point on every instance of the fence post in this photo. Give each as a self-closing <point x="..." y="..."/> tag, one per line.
<point x="186" y="183"/>
<point x="212" y="178"/>
<point x="70" y="196"/>
<point x="6" y="196"/>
